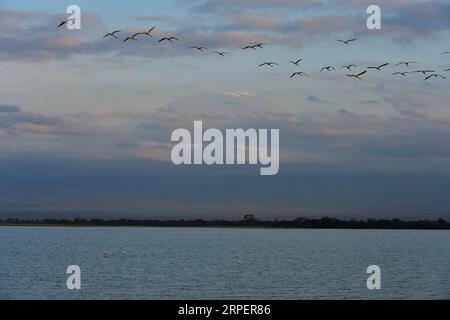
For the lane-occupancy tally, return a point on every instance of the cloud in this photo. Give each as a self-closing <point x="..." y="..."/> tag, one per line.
<point x="14" y="121"/>
<point x="8" y="108"/>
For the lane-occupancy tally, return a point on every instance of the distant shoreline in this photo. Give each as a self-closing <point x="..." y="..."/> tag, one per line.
<point x="249" y="222"/>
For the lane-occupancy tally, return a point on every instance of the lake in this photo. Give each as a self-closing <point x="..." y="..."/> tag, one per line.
<point x="193" y="263"/>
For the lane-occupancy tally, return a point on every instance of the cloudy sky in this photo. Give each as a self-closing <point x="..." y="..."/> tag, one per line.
<point x="85" y="122"/>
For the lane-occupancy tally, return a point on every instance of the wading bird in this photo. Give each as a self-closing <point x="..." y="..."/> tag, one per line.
<point x="435" y="75"/>
<point x="269" y="64"/>
<point x="111" y="34"/>
<point x="299" y="74"/>
<point x="347" y="42"/>
<point x="379" y="67"/>
<point x="329" y="68"/>
<point x="357" y="76"/>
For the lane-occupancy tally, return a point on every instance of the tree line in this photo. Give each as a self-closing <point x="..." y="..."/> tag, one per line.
<point x="248" y="221"/>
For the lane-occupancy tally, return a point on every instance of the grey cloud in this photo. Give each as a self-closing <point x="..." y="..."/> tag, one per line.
<point x="8" y="108"/>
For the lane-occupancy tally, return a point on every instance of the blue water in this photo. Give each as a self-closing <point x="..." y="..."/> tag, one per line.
<point x="164" y="263"/>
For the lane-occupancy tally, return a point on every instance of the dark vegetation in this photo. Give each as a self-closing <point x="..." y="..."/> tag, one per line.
<point x="248" y="221"/>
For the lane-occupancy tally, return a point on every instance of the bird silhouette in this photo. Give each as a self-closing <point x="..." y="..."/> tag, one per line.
<point x="424" y="72"/>
<point x="249" y="47"/>
<point x="299" y="74"/>
<point x="349" y="67"/>
<point x="221" y="53"/>
<point x="406" y="63"/>
<point x="269" y="64"/>
<point x="379" y="67"/>
<point x="446" y="70"/>
<point x="201" y="49"/>
<point x="297" y="62"/>
<point x="149" y="32"/>
<point x="111" y="34"/>
<point x="357" y="76"/>
<point x="129" y="38"/>
<point x="63" y="22"/>
<point x="347" y="42"/>
<point x="447" y="52"/>
<point x="401" y="73"/>
<point x="169" y="39"/>
<point x="329" y="68"/>
<point x="435" y="75"/>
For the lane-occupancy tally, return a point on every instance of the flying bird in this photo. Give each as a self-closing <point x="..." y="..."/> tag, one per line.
<point x="221" y="53"/>
<point x="249" y="47"/>
<point x="329" y="68"/>
<point x="446" y="70"/>
<point x="424" y="72"/>
<point x="435" y="75"/>
<point x="401" y="73"/>
<point x="447" y="52"/>
<point x="347" y="42"/>
<point x="170" y="39"/>
<point x="349" y="67"/>
<point x="357" y="76"/>
<point x="111" y="34"/>
<point x="297" y="62"/>
<point x="269" y="64"/>
<point x="379" y="67"/>
<point x="129" y="38"/>
<point x="148" y="33"/>
<point x="259" y="45"/>
<point x="406" y="63"/>
<point x="63" y="22"/>
<point x="299" y="74"/>
<point x="201" y="49"/>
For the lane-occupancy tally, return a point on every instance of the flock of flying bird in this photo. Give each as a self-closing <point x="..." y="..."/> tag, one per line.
<point x="428" y="73"/>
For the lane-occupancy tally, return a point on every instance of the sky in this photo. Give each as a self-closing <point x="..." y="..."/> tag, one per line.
<point x="85" y="122"/>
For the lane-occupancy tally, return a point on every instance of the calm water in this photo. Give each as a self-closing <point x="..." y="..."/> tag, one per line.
<point x="165" y="263"/>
